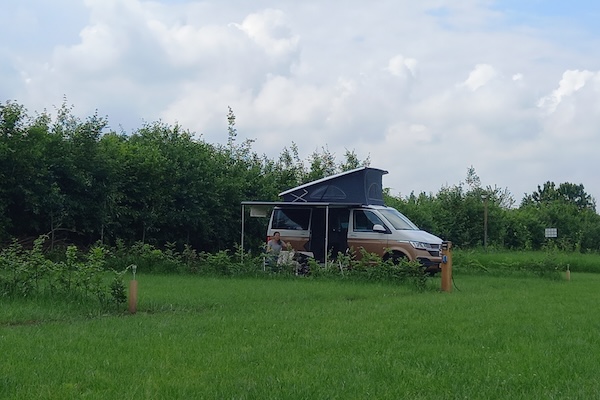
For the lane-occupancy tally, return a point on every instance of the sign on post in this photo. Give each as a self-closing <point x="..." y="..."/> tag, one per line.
<point x="551" y="232"/>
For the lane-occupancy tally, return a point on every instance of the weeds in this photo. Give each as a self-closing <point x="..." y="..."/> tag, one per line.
<point x="550" y="264"/>
<point x="28" y="273"/>
<point x="93" y="275"/>
<point x="371" y="267"/>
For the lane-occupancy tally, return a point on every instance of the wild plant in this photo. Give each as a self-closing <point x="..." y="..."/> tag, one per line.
<point x="27" y="273"/>
<point x="15" y="278"/>
<point x="248" y="263"/>
<point x="218" y="263"/>
<point x="117" y="292"/>
<point x="190" y="258"/>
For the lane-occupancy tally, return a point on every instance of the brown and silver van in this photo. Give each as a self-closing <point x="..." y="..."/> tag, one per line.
<point x="375" y="228"/>
<point x="347" y="211"/>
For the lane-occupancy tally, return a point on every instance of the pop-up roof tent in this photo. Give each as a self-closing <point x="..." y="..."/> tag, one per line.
<point x="360" y="186"/>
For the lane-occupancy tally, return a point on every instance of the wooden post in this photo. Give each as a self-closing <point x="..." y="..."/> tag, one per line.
<point x="133" y="296"/>
<point x="446" y="266"/>
<point x="568" y="274"/>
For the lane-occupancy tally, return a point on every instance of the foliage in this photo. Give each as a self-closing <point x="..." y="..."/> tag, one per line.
<point x="80" y="183"/>
<point x="566" y="192"/>
<point x="372" y="268"/>
<point x="367" y="267"/>
<point x="28" y="273"/>
<point x="457" y="214"/>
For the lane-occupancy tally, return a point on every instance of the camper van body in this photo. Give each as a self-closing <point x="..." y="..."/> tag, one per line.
<point x="376" y="229"/>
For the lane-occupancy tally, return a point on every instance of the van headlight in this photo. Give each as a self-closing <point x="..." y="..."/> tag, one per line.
<point x="419" y="245"/>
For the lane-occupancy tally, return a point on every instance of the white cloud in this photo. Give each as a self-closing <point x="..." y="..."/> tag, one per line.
<point x="571" y="82"/>
<point x="270" y="30"/>
<point x="402" y="67"/>
<point x="481" y="75"/>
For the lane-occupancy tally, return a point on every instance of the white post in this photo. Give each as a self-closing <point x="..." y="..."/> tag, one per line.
<point x="326" y="234"/>
<point x="242" y="240"/>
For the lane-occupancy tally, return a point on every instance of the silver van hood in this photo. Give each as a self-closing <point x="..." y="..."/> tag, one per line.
<point x="418" y="236"/>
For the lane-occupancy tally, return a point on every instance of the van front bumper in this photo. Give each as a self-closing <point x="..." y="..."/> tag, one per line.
<point x="431" y="266"/>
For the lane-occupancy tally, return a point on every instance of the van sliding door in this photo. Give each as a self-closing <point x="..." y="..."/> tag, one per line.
<point x="317" y="234"/>
<point x="361" y="234"/>
<point x="338" y="230"/>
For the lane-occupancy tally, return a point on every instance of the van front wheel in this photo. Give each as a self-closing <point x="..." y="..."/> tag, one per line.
<point x="396" y="257"/>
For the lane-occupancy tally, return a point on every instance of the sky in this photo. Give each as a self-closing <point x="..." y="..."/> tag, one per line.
<point x="424" y="89"/>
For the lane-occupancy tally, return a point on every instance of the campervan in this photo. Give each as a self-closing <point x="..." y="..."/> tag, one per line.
<point x="346" y="211"/>
<point x="376" y="229"/>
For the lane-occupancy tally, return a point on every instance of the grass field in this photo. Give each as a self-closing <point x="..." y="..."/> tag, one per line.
<point x="217" y="338"/>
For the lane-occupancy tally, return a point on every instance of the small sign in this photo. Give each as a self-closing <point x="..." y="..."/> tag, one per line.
<point x="551" y="232"/>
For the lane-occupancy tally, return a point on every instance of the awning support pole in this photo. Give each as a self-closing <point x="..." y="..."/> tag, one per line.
<point x="242" y="240"/>
<point x="326" y="234"/>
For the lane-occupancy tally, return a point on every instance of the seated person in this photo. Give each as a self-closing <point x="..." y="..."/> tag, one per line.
<point x="274" y="247"/>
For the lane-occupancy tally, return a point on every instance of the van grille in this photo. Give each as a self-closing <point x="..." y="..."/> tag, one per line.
<point x="434" y="249"/>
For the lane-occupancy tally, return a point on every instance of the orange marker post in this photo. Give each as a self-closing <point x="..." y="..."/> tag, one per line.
<point x="446" y="266"/>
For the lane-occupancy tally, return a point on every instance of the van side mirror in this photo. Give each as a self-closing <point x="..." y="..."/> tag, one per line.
<point x="379" y="228"/>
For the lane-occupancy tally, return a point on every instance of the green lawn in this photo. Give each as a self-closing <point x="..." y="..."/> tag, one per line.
<point x="209" y="338"/>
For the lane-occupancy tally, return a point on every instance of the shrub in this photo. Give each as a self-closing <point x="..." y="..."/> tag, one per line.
<point x="371" y="267"/>
<point x="26" y="273"/>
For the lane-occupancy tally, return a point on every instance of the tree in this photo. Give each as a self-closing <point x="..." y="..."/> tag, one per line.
<point x="321" y="165"/>
<point x="472" y="180"/>
<point x="161" y="185"/>
<point x="567" y="192"/>
<point x="352" y="161"/>
<point x="575" y="194"/>
<point x="569" y="209"/>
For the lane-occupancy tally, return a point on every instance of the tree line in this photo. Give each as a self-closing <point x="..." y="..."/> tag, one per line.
<point x="80" y="182"/>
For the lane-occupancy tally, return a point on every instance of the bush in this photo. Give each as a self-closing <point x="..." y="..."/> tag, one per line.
<point x="371" y="267"/>
<point x="27" y="273"/>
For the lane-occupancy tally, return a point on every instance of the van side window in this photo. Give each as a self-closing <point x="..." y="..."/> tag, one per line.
<point x="364" y="220"/>
<point x="291" y="219"/>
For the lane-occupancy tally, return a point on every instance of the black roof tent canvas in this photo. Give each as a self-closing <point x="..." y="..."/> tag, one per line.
<point x="361" y="185"/>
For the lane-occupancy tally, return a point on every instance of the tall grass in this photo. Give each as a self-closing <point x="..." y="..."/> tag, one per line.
<point x="216" y="338"/>
<point x="505" y="262"/>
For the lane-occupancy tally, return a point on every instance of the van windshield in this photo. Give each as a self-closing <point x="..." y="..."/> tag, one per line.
<point x="398" y="220"/>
